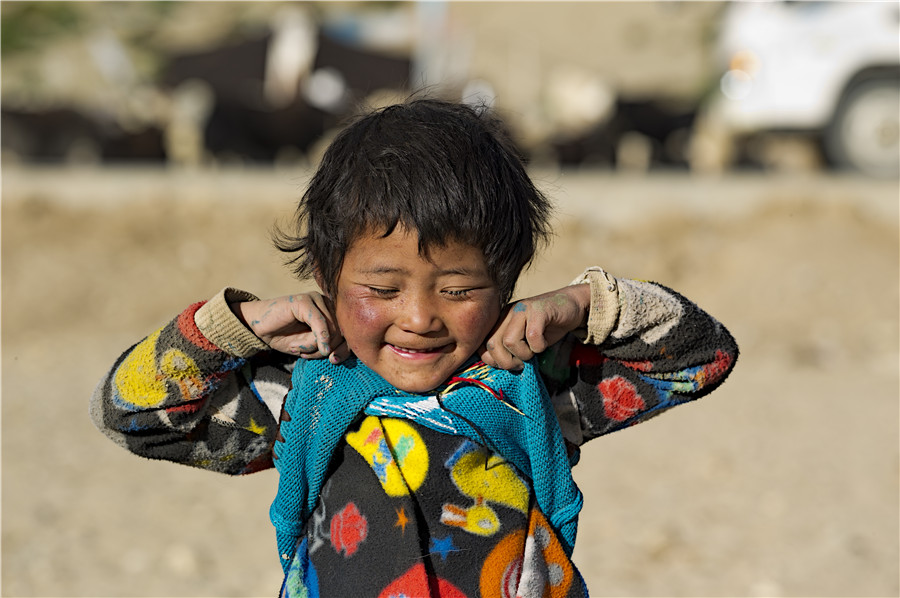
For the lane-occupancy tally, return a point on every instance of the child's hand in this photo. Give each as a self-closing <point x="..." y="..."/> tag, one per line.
<point x="301" y="325"/>
<point x="529" y="326"/>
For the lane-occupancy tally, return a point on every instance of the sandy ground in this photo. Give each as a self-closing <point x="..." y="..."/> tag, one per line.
<point x="782" y="483"/>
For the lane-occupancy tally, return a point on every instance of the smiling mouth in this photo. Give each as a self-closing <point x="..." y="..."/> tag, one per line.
<point x="411" y="351"/>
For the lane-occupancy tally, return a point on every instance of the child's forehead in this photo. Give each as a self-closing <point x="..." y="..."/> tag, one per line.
<point x="376" y="251"/>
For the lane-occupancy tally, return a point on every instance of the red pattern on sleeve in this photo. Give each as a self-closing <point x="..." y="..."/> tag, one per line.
<point x="188" y="328"/>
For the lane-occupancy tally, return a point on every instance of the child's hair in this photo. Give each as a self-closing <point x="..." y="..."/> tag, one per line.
<point x="445" y="170"/>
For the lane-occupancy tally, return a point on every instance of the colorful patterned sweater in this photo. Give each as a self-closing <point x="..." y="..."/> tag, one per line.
<point x="204" y="391"/>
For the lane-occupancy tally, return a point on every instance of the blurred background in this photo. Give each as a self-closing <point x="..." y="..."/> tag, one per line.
<point x="744" y="153"/>
<point x="632" y="86"/>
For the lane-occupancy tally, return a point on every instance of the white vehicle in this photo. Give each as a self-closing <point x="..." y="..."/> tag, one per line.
<point x="831" y="69"/>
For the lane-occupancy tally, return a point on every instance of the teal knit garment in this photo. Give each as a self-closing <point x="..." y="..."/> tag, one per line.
<point x="325" y="399"/>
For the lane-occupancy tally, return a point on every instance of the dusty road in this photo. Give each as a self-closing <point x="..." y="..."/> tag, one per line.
<point x="782" y="483"/>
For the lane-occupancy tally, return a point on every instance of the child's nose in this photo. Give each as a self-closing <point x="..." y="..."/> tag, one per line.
<point x="420" y="317"/>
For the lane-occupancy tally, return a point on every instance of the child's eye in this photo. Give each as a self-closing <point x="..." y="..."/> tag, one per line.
<point x="458" y="293"/>
<point x="383" y="292"/>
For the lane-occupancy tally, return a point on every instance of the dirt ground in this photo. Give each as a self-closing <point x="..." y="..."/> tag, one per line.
<point x="784" y="482"/>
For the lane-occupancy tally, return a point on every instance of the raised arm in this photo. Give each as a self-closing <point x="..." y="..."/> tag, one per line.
<point x="203" y="391"/>
<point x="646" y="348"/>
<point x="614" y="352"/>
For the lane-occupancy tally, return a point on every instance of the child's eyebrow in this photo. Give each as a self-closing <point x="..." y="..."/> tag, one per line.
<point x="383" y="270"/>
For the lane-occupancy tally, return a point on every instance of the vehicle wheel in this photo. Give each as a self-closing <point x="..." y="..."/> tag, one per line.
<point x="865" y="132"/>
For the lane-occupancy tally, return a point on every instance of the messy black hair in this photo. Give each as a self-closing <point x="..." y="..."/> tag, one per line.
<point x="447" y="171"/>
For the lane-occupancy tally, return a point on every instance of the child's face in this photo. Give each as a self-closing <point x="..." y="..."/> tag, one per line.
<point x="414" y="320"/>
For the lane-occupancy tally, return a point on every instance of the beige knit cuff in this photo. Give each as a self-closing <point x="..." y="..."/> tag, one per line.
<point x="219" y="324"/>
<point x="604" y="311"/>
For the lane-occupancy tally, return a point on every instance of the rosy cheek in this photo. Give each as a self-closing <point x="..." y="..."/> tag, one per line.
<point x="358" y="316"/>
<point x="480" y="321"/>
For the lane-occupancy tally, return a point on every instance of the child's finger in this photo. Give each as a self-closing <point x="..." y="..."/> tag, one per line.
<point x="501" y="356"/>
<point x="486" y="357"/>
<point x="340" y="353"/>
<point x="535" y="335"/>
<point x="302" y="344"/>
<point x="321" y="335"/>
<point x="524" y="335"/>
<point x="518" y="348"/>
<point x="313" y="312"/>
<point x="333" y="336"/>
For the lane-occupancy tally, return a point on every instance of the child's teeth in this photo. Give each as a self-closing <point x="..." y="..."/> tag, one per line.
<point x="414" y="350"/>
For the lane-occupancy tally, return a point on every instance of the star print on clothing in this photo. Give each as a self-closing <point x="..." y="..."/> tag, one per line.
<point x="402" y="519"/>
<point x="256" y="428"/>
<point x="443" y="547"/>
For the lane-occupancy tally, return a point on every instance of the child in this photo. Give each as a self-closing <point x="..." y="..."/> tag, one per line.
<point x="426" y="440"/>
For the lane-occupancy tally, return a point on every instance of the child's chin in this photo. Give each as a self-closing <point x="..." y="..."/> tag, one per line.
<point x="416" y="386"/>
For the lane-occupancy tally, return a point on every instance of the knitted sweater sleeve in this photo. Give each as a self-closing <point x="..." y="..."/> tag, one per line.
<point x="202" y="391"/>
<point x="646" y="349"/>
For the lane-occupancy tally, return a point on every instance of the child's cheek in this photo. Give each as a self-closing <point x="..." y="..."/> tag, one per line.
<point x="479" y="320"/>
<point x="358" y="318"/>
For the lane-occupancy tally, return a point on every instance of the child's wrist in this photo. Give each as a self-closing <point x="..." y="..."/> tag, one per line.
<point x="603" y="311"/>
<point x="581" y="295"/>
<point x="240" y="310"/>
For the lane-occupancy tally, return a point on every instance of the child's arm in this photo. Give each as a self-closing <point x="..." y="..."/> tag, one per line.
<point x="203" y="390"/>
<point x="644" y="349"/>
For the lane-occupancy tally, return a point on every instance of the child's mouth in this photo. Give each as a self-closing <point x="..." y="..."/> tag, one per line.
<point x="412" y="352"/>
